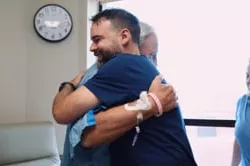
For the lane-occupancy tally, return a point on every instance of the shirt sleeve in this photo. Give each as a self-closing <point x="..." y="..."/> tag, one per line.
<point x="88" y="74"/>
<point x="79" y="126"/>
<point x="118" y="82"/>
<point x="241" y="104"/>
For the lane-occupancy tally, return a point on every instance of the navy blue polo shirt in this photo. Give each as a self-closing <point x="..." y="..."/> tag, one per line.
<point x="162" y="140"/>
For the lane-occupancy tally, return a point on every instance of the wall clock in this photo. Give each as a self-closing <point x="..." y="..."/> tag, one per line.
<point x="53" y="22"/>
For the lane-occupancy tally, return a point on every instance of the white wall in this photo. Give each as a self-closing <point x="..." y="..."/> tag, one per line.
<point x="203" y="51"/>
<point x="32" y="69"/>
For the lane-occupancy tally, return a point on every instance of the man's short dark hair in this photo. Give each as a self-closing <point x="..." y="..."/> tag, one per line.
<point x="120" y="19"/>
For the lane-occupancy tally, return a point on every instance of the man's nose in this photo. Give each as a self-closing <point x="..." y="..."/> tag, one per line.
<point x="93" y="47"/>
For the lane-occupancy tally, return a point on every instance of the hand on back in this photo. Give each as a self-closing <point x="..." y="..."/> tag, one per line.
<point x="165" y="93"/>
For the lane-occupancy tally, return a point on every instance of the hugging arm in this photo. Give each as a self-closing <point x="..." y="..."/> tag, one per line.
<point x="114" y="122"/>
<point x="69" y="105"/>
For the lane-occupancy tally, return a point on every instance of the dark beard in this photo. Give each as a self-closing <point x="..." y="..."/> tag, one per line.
<point x="106" y="56"/>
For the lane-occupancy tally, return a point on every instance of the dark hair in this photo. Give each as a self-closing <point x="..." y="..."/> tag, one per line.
<point x="120" y="19"/>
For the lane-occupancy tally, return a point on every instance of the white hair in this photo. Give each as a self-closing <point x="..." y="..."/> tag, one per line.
<point x="146" y="30"/>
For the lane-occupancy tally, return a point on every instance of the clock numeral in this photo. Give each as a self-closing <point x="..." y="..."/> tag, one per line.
<point x="65" y="16"/>
<point x="46" y="10"/>
<point x="40" y="15"/>
<point x="41" y="27"/>
<point x="53" y="36"/>
<point x="65" y="30"/>
<point x="60" y="35"/>
<point x="38" y="21"/>
<point x="53" y="8"/>
<point x="68" y="23"/>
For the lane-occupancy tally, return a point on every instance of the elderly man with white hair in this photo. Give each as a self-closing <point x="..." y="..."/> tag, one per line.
<point x="148" y="42"/>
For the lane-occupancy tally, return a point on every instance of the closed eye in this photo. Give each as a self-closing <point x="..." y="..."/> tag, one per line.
<point x="96" y="39"/>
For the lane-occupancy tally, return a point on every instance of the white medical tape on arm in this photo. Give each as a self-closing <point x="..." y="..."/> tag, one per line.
<point x="142" y="104"/>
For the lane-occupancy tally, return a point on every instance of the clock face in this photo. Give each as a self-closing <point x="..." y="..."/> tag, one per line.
<point x="53" y="22"/>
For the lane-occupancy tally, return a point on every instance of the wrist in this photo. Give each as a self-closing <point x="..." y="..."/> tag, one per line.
<point x="67" y="84"/>
<point x="74" y="83"/>
<point x="154" y="106"/>
<point x="151" y="112"/>
<point x="141" y="104"/>
<point x="158" y="109"/>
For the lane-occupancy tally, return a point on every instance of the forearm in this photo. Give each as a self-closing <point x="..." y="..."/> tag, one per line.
<point x="57" y="104"/>
<point x="112" y="124"/>
<point x="70" y="105"/>
<point x="236" y="154"/>
<point x="115" y="122"/>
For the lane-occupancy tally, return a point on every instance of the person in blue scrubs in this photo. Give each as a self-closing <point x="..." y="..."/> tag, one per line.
<point x="73" y="152"/>
<point x="125" y="73"/>
<point x="241" y="149"/>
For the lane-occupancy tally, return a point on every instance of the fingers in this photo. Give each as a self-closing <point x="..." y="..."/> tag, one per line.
<point x="171" y="98"/>
<point x="170" y="106"/>
<point x="76" y="80"/>
<point x="165" y="93"/>
<point x="173" y="95"/>
<point x="169" y="90"/>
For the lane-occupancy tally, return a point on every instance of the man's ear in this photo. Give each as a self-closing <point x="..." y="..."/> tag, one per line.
<point x="125" y="36"/>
